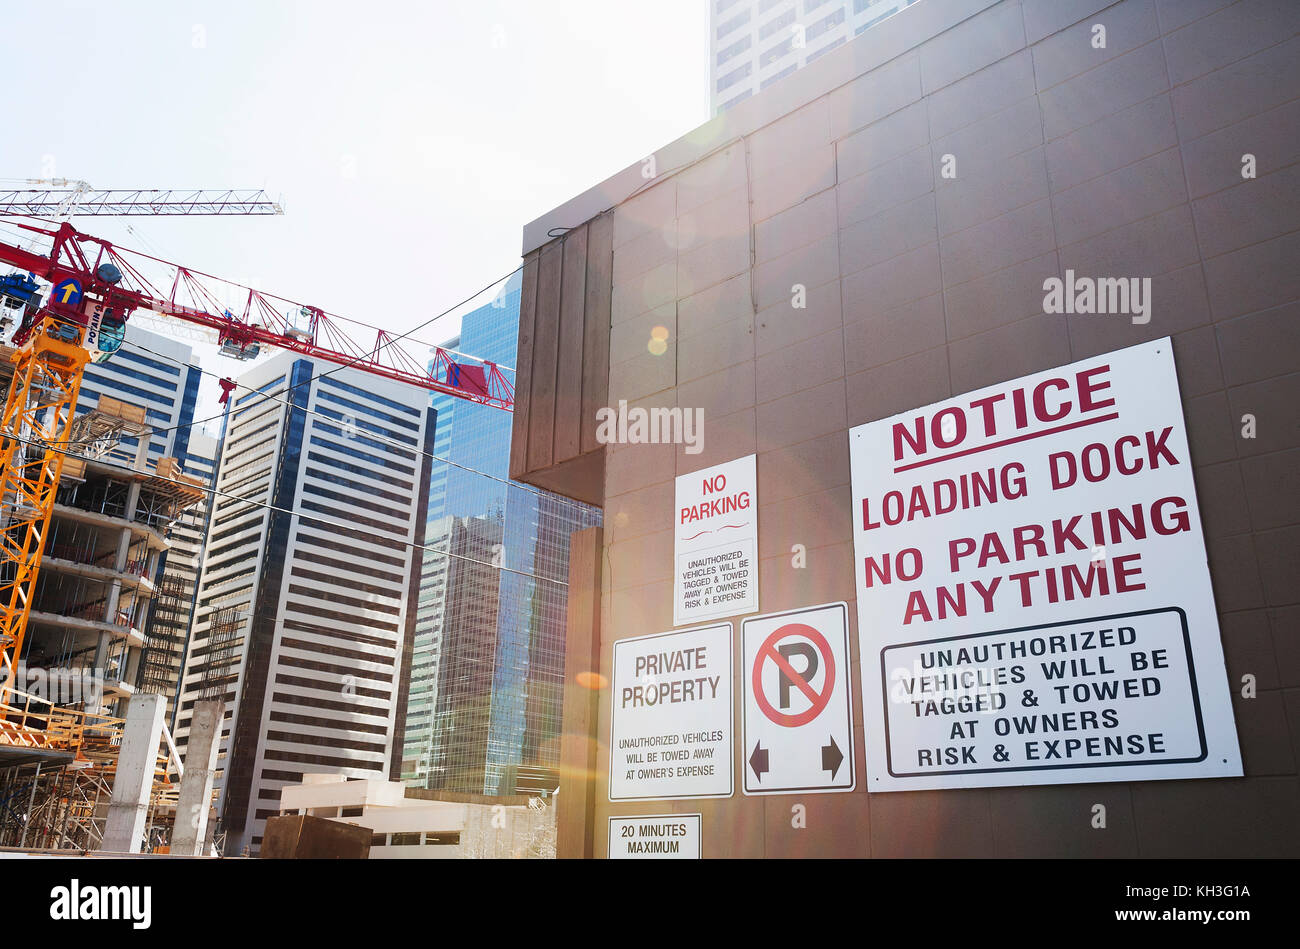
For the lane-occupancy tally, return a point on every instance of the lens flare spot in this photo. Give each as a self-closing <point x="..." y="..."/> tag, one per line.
<point x="657" y="347"/>
<point x="592" y="680"/>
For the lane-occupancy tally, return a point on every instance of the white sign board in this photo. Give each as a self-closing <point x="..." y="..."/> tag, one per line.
<point x="716" y="542"/>
<point x="671" y="724"/>
<point x="656" y="837"/>
<point x="798" y="721"/>
<point x="1034" y="602"/>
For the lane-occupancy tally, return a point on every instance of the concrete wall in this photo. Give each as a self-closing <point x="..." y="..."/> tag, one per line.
<point x="1122" y="161"/>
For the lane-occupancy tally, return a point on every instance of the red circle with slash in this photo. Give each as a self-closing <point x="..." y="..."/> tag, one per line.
<point x="818" y="700"/>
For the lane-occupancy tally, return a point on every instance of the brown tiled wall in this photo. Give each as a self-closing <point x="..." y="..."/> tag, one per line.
<point x="563" y="362"/>
<point x="1122" y="161"/>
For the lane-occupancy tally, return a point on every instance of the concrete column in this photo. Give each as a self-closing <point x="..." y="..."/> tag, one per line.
<point x="136" y="761"/>
<point x="119" y="564"/>
<point x="101" y="655"/>
<point x="133" y="497"/>
<point x="124" y="537"/>
<point x="111" y="603"/>
<point x="575" y="803"/>
<point x="195" y="797"/>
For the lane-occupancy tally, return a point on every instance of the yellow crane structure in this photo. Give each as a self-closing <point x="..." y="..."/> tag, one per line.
<point x="34" y="435"/>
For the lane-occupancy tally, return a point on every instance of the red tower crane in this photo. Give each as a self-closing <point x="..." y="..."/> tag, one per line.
<point x="95" y="287"/>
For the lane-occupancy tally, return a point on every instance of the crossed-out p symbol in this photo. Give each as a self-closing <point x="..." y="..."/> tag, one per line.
<point x="811" y="664"/>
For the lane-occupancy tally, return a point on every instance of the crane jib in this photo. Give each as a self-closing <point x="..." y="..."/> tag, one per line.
<point x="77" y="256"/>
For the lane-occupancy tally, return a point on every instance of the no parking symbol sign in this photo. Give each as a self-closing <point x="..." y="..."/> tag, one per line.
<point x="798" y="724"/>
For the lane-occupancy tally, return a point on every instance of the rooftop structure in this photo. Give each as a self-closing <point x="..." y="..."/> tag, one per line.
<point x="413" y="824"/>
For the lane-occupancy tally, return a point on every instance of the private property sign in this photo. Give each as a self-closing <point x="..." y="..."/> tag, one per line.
<point x="1034" y="603"/>
<point x="716" y="542"/>
<point x="671" y="723"/>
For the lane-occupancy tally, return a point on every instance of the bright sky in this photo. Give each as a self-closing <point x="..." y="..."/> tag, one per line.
<point x="410" y="141"/>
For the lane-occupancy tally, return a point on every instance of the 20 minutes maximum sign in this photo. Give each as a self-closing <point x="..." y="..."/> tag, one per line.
<point x="1034" y="602"/>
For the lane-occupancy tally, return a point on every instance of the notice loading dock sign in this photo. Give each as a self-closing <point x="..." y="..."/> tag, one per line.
<point x="1035" y="603"/>
<point x="798" y="701"/>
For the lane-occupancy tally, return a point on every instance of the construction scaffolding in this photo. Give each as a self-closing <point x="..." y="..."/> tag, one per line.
<point x="220" y="664"/>
<point x="57" y="767"/>
<point x="103" y="532"/>
<point x="165" y="643"/>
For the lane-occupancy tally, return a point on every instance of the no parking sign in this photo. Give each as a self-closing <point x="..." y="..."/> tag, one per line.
<point x="798" y="724"/>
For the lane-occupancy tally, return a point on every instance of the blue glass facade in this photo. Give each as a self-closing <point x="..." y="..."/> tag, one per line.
<point x="485" y="696"/>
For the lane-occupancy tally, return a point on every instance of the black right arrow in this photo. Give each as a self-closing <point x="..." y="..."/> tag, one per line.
<point x="758" y="760"/>
<point x="831" y="757"/>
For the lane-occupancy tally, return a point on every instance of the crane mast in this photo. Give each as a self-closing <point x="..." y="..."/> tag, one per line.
<point x="38" y="416"/>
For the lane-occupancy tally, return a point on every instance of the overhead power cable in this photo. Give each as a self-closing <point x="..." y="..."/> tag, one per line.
<point x="387" y="342"/>
<point x="271" y="397"/>
<point x="320" y="375"/>
<point x="212" y="490"/>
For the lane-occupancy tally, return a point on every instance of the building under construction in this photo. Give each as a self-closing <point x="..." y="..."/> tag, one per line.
<point x="106" y="622"/>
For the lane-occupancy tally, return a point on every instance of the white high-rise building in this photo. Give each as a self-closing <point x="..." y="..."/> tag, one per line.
<point x="754" y="43"/>
<point x="157" y="374"/>
<point x="162" y="376"/>
<point x="305" y="620"/>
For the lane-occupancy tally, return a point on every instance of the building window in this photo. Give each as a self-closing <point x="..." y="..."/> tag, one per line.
<point x="773" y="26"/>
<point x="890" y="8"/>
<point x="733" y="23"/>
<point x="825" y="24"/>
<point x="740" y="98"/>
<point x="776" y="52"/>
<point x="765" y="5"/>
<point x="355" y="390"/>
<point x="811" y="5"/>
<point x="827" y="48"/>
<point x="720" y="6"/>
<point x="406" y="840"/>
<point x="152" y="363"/>
<point x="781" y="75"/>
<point x="270" y="385"/>
<point x="735" y="49"/>
<point x="735" y="76"/>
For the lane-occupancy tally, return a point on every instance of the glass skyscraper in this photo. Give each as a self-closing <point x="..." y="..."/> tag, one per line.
<point x="488" y="663"/>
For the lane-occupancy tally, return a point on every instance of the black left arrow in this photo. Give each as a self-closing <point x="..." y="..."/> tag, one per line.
<point x="758" y="760"/>
<point x="832" y="757"/>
